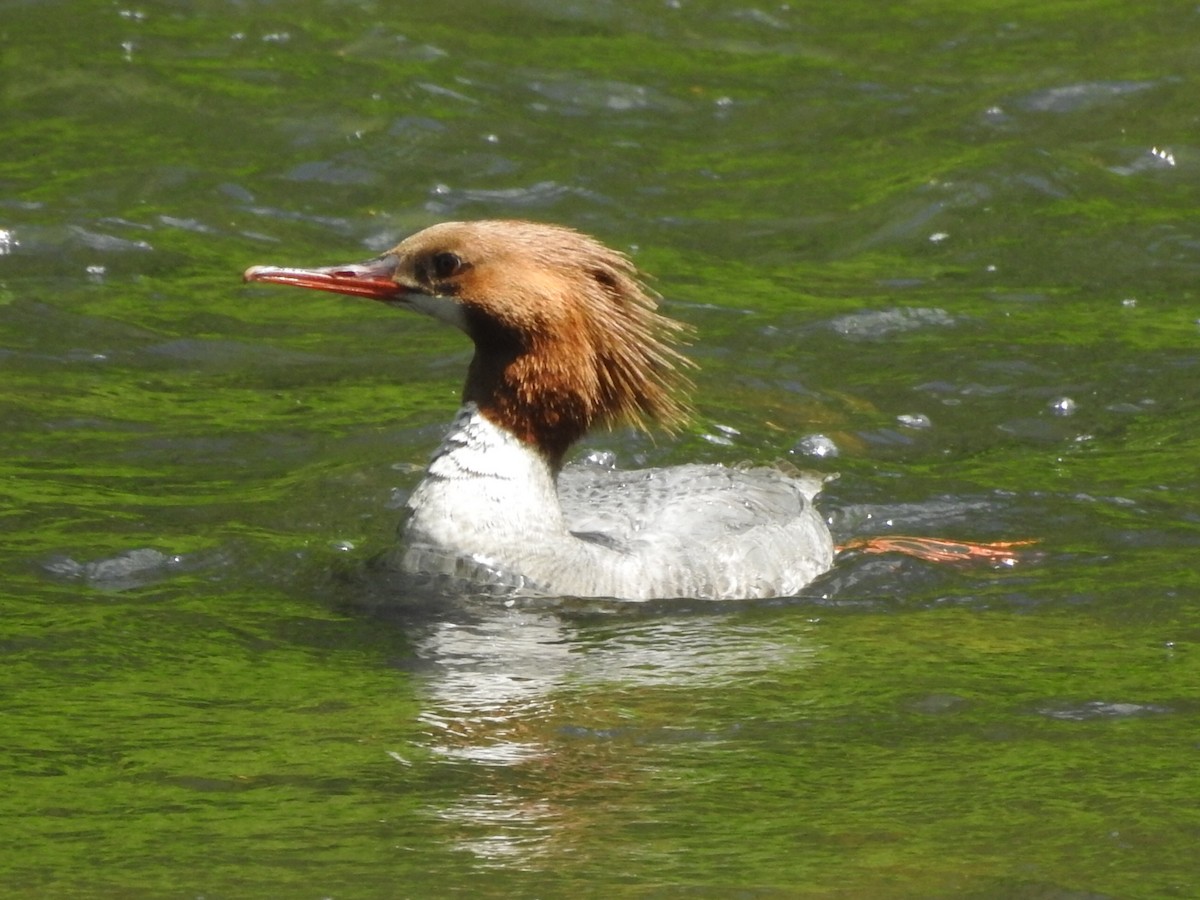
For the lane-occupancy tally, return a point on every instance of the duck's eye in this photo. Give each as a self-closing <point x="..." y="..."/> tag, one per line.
<point x="605" y="279"/>
<point x="445" y="265"/>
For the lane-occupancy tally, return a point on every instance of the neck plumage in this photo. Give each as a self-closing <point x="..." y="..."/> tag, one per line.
<point x="548" y="419"/>
<point x="505" y="483"/>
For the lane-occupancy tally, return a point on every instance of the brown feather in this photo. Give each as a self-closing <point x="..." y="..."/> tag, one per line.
<point x="567" y="334"/>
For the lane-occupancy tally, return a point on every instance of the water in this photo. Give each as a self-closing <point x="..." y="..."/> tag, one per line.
<point x="955" y="243"/>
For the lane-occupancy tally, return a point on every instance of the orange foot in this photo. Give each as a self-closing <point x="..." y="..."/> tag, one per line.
<point x="939" y="550"/>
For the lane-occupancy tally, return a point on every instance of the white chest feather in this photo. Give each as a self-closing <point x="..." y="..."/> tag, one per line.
<point x="483" y="486"/>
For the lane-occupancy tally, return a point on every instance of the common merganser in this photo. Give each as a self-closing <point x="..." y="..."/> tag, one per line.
<point x="567" y="336"/>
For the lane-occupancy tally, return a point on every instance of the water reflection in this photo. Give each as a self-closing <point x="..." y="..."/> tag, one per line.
<point x="544" y="708"/>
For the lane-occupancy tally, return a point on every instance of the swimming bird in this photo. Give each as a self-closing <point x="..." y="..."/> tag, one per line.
<point x="568" y="337"/>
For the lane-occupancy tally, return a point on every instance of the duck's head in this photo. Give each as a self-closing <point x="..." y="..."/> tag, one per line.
<point x="566" y="334"/>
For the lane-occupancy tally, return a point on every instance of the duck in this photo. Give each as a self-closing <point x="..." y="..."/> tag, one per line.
<point x="567" y="338"/>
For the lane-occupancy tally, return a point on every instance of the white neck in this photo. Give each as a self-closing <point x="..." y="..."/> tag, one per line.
<point x="484" y="489"/>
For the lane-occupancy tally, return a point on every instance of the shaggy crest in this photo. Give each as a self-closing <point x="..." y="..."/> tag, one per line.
<point x="567" y="335"/>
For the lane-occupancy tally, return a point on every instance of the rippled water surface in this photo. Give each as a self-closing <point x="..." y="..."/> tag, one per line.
<point x="949" y="251"/>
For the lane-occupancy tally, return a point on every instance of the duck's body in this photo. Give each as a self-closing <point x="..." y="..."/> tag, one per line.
<point x="567" y="337"/>
<point x="491" y="509"/>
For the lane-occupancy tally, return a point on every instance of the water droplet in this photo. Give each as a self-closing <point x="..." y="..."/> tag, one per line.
<point x="599" y="459"/>
<point x="1063" y="406"/>
<point x="914" y="420"/>
<point x="817" y="446"/>
<point x="1164" y="154"/>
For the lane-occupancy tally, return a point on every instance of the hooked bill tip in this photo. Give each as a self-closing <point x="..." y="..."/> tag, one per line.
<point x="254" y="273"/>
<point x="372" y="279"/>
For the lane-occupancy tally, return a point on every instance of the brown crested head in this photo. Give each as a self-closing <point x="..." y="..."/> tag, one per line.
<point x="567" y="336"/>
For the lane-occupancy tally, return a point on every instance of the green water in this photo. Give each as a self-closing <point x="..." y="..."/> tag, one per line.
<point x="972" y="213"/>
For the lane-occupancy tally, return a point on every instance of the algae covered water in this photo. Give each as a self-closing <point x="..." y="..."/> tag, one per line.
<point x="948" y="252"/>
